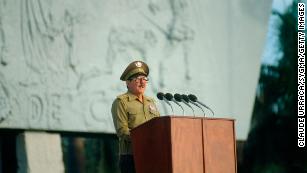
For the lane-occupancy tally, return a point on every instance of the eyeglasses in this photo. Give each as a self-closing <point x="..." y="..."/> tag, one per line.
<point x="138" y="79"/>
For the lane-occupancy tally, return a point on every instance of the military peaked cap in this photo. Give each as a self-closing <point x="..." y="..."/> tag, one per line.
<point x="134" y="68"/>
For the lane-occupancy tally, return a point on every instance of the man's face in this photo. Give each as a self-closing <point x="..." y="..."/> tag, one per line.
<point x="137" y="85"/>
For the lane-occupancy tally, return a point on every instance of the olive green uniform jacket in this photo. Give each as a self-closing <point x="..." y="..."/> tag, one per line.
<point x="128" y="112"/>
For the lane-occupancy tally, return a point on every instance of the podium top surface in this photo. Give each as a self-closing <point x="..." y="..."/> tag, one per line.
<point x="193" y="117"/>
<point x="171" y="117"/>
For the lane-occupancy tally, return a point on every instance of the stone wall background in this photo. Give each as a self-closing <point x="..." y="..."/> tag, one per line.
<point x="60" y="61"/>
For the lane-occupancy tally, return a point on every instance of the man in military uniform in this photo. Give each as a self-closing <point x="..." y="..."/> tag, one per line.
<point x="131" y="109"/>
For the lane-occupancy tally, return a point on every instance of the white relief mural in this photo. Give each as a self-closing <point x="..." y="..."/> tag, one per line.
<point x="60" y="61"/>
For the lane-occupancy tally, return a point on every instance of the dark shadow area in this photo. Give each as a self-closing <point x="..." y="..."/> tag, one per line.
<point x="8" y="158"/>
<point x="90" y="153"/>
<point x="272" y="144"/>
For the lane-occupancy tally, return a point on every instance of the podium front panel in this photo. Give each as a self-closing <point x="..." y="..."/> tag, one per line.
<point x="187" y="145"/>
<point x="219" y="146"/>
<point x="152" y="146"/>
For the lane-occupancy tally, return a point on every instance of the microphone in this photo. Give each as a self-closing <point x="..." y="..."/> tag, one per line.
<point x="161" y="97"/>
<point x="186" y="98"/>
<point x="178" y="98"/>
<point x="170" y="97"/>
<point x="193" y="98"/>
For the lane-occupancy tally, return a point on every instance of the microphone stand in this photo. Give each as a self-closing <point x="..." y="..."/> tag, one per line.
<point x="199" y="108"/>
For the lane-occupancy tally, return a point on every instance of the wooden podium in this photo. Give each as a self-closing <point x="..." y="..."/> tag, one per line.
<point x="177" y="144"/>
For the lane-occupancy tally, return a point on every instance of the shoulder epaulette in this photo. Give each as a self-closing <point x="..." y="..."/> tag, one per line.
<point x="150" y="98"/>
<point x="122" y="96"/>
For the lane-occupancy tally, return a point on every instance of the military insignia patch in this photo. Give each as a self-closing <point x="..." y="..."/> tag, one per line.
<point x="152" y="108"/>
<point x="138" y="64"/>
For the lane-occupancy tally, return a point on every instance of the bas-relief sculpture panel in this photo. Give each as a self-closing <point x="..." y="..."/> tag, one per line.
<point x="60" y="61"/>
